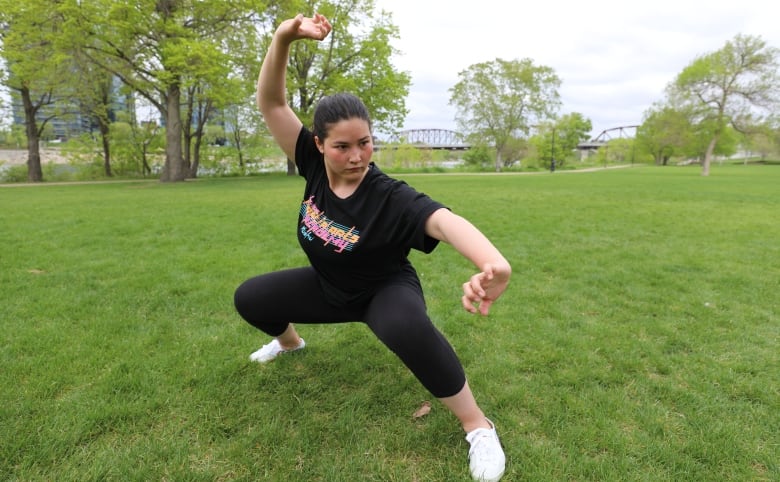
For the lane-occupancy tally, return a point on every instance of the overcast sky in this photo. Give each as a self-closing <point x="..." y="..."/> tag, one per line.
<point x="614" y="58"/>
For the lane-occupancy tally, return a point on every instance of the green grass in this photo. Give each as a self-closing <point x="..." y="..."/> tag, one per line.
<point x="639" y="338"/>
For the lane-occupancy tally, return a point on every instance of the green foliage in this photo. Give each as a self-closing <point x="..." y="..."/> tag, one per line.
<point x="558" y="139"/>
<point x="169" y="52"/>
<point x="496" y="101"/>
<point x="36" y="72"/>
<point x="731" y="86"/>
<point x="665" y="132"/>
<point x="404" y="156"/>
<point x="621" y="152"/>
<point x="356" y="57"/>
<point x="480" y="156"/>
<point x="135" y="145"/>
<point x="634" y="342"/>
<point x="13" y="137"/>
<point x="727" y="144"/>
<point x="763" y="139"/>
<point x="13" y="173"/>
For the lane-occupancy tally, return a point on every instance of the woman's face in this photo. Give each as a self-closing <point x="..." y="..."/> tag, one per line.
<point x="347" y="150"/>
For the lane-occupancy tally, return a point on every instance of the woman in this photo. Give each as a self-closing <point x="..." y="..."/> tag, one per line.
<point x="356" y="226"/>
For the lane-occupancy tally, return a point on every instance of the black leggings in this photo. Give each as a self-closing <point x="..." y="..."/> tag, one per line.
<point x="396" y="314"/>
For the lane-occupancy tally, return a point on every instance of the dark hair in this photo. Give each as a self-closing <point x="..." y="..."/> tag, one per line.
<point x="337" y="107"/>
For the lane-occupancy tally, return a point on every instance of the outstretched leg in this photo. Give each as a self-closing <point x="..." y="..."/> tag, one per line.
<point x="270" y="302"/>
<point x="464" y="406"/>
<point x="397" y="315"/>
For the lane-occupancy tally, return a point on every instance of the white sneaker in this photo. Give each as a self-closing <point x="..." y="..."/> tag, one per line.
<point x="272" y="350"/>
<point x="486" y="457"/>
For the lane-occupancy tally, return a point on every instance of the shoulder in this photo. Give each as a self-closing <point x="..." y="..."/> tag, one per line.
<point x="307" y="156"/>
<point x="399" y="192"/>
<point x="379" y="179"/>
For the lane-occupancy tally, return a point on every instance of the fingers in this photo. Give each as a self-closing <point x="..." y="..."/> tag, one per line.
<point x="316" y="27"/>
<point x="324" y="25"/>
<point x="474" y="293"/>
<point x="482" y="289"/>
<point x="484" y="307"/>
<point x="468" y="305"/>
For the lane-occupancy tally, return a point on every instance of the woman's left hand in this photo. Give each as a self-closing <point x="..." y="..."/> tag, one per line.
<point x="482" y="289"/>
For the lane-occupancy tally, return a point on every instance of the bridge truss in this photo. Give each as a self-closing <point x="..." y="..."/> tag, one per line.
<point x="445" y="139"/>
<point x="431" y="139"/>
<point x="607" y="135"/>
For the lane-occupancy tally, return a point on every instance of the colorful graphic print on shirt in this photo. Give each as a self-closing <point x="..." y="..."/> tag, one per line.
<point x="315" y="224"/>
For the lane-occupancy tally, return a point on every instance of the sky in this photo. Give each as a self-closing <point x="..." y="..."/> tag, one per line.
<point x="614" y="58"/>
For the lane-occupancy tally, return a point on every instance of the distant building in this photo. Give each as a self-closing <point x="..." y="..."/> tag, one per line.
<point x="72" y="122"/>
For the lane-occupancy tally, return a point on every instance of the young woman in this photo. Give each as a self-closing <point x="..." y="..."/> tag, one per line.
<point x="356" y="226"/>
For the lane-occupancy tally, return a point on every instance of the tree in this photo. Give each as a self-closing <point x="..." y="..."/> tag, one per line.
<point x="94" y="100"/>
<point x="701" y="139"/>
<point x="514" y="149"/>
<point x="355" y="58"/>
<point x="36" y="71"/>
<point x="159" y="48"/>
<point x="236" y="121"/>
<point x="499" y="100"/>
<point x="731" y="86"/>
<point x="198" y="110"/>
<point x="559" y="139"/>
<point x="763" y="139"/>
<point x="664" y="132"/>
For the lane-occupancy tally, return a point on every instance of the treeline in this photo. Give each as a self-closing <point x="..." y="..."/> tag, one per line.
<point x="160" y="80"/>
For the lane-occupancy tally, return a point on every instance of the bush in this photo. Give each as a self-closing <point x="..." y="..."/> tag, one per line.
<point x="17" y="173"/>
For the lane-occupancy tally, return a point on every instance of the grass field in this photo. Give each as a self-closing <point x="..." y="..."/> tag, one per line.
<point x="639" y="339"/>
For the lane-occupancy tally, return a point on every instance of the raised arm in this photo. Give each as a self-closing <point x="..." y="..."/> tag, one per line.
<point x="271" y="99"/>
<point x="483" y="288"/>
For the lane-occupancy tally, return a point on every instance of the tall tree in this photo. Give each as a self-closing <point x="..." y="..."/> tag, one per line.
<point x="559" y="139"/>
<point x="731" y="86"/>
<point x="36" y="71"/>
<point x="664" y="132"/>
<point x="499" y="99"/>
<point x="95" y="99"/>
<point x="198" y="110"/>
<point x="355" y="57"/>
<point x="161" y="47"/>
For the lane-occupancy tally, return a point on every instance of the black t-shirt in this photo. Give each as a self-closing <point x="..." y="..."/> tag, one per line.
<point x="357" y="243"/>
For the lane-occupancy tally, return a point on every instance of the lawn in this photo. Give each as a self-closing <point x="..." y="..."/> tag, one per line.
<point x="639" y="338"/>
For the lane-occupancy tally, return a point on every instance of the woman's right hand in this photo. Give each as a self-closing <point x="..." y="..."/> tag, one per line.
<point x="316" y="28"/>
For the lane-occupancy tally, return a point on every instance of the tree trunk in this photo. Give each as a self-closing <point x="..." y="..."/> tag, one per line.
<point x="705" y="166"/>
<point x="237" y="142"/>
<point x="34" y="171"/>
<point x="290" y="167"/>
<point x="196" y="156"/>
<point x="104" y="132"/>
<point x="145" y="168"/>
<point x="173" y="171"/>
<point x="187" y="146"/>
<point x="203" y="116"/>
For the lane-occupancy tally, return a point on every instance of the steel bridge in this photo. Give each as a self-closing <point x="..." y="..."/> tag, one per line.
<point x="606" y="136"/>
<point x="438" y="139"/>
<point x="444" y="139"/>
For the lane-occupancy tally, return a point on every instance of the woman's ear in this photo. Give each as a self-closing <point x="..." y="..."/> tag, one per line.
<point x="320" y="145"/>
